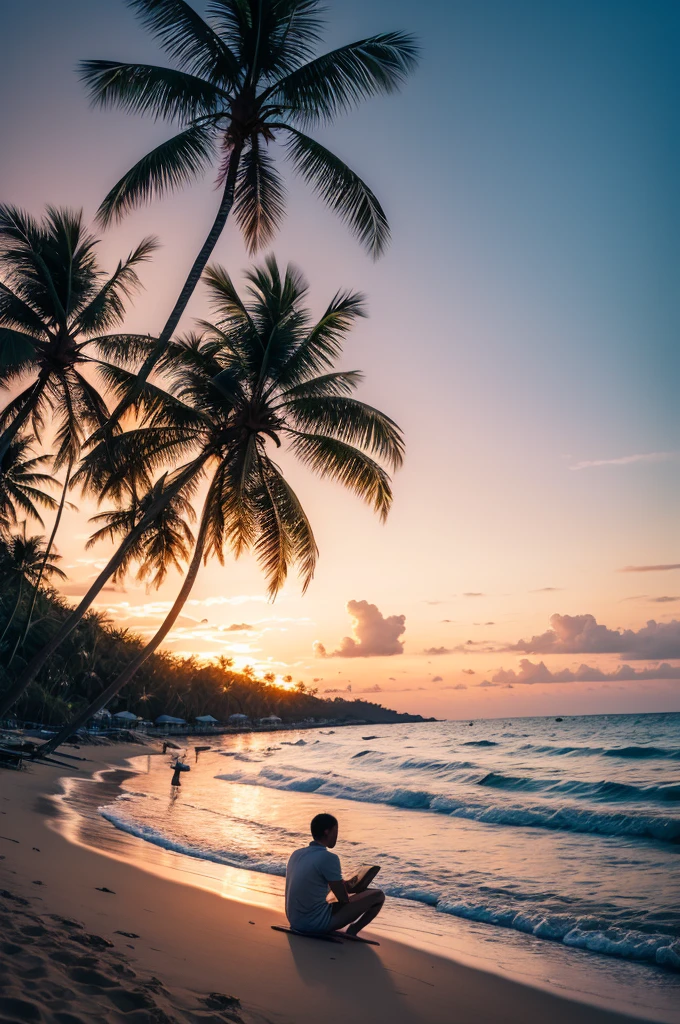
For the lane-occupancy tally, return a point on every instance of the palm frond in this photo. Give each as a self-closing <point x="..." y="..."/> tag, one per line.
<point x="128" y="350"/>
<point x="272" y="546"/>
<point x="17" y="313"/>
<point x="323" y="345"/>
<point x="148" y="89"/>
<point x="271" y="38"/>
<point x="339" y="80"/>
<point x="107" y="308"/>
<point x="336" y="460"/>
<point x="232" y="515"/>
<point x="342" y="382"/>
<point x="188" y="39"/>
<point x="92" y="407"/>
<point x="171" y="165"/>
<point x="260" y="196"/>
<point x="350" y="421"/>
<point x="303" y="549"/>
<point x="18" y="353"/>
<point x="341" y="189"/>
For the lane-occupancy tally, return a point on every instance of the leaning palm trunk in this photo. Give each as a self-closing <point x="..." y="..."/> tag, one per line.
<point x="126" y="675"/>
<point x="41" y="573"/>
<point x="30" y="672"/>
<point x="188" y="289"/>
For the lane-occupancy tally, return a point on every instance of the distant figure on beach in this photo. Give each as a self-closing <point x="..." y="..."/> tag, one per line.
<point x="312" y="871"/>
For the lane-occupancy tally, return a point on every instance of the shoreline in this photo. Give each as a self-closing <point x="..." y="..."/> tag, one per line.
<point x="219" y="942"/>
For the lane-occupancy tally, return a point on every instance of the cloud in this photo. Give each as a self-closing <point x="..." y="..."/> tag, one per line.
<point x="663" y="600"/>
<point x="473" y="593"/>
<point x="468" y="671"/>
<point x="455" y="686"/>
<point x="80" y="589"/>
<point x="546" y="590"/>
<point x="376" y="688"/>
<point x="627" y="460"/>
<point x="237" y="627"/>
<point x="582" y="634"/>
<point x="650" y="568"/>
<point x="374" y="635"/>
<point x="437" y="679"/>
<point x="532" y="673"/>
<point x="439" y="650"/>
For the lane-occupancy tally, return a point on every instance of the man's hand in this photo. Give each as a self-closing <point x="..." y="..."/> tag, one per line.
<point x="339" y="890"/>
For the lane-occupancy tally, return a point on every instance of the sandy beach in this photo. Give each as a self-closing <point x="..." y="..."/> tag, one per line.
<point x="89" y="937"/>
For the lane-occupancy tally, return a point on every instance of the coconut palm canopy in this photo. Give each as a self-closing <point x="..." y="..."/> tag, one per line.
<point x="56" y="303"/>
<point x="243" y="79"/>
<point x="245" y="76"/>
<point x="22" y="483"/>
<point x="257" y="378"/>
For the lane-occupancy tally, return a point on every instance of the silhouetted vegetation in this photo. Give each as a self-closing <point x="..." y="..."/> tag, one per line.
<point x="96" y="652"/>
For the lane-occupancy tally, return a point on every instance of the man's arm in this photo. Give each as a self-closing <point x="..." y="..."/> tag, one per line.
<point x="339" y="890"/>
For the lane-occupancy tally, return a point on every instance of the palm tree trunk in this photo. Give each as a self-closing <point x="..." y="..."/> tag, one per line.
<point x="17" y="423"/>
<point x="34" y="598"/>
<point x="114" y="563"/>
<point x="128" y="672"/>
<point x="187" y="291"/>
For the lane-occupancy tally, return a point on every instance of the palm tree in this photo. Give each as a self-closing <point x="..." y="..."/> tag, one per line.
<point x="244" y="79"/>
<point x="253" y="381"/>
<point x="21" y="481"/>
<point x="166" y="542"/>
<point x="23" y="562"/>
<point x="21" y="484"/>
<point x="55" y="301"/>
<point x="55" y="304"/>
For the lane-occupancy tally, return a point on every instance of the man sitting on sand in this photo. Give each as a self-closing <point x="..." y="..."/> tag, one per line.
<point x="311" y="872"/>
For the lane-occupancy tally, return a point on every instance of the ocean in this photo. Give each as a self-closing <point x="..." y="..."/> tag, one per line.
<point x="551" y="834"/>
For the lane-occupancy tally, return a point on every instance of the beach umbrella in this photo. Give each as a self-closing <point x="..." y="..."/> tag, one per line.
<point x="238" y="718"/>
<point x="126" y="716"/>
<point x="206" y="719"/>
<point x="169" y="720"/>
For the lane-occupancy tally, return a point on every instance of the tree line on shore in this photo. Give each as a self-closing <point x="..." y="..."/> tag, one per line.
<point x="164" y="684"/>
<point x="147" y="425"/>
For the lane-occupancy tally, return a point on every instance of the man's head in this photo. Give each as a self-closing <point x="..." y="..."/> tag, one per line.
<point x="325" y="830"/>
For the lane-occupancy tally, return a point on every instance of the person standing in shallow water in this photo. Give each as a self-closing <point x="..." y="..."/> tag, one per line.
<point x="311" y="872"/>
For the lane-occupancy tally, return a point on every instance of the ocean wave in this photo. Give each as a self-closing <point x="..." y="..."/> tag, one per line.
<point x="567" y="817"/>
<point x="603" y="790"/>
<point x="581" y="933"/>
<point x="480" y="743"/>
<point x="668" y="753"/>
<point x="673" y="755"/>
<point x="232" y="858"/>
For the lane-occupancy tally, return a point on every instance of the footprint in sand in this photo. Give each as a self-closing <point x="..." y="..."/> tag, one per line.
<point x="44" y="976"/>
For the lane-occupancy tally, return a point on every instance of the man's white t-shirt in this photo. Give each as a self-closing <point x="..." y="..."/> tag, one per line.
<point x="308" y="873"/>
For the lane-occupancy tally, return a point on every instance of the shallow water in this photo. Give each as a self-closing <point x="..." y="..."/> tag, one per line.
<point x="556" y="834"/>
